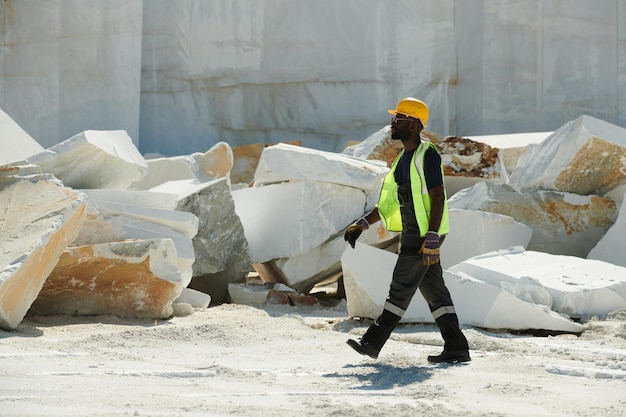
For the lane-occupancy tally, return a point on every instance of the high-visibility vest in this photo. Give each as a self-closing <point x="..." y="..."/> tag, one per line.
<point x="389" y="206"/>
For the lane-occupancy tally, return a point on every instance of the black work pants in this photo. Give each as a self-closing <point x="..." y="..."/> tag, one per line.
<point x="410" y="274"/>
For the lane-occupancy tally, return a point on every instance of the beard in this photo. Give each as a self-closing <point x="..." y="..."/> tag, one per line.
<point x="398" y="135"/>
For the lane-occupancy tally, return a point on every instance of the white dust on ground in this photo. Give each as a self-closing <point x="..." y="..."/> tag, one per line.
<point x="235" y="360"/>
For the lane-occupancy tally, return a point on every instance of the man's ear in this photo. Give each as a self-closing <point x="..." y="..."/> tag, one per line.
<point x="417" y="125"/>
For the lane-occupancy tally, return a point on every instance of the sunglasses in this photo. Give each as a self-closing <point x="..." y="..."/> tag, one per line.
<point x="396" y="119"/>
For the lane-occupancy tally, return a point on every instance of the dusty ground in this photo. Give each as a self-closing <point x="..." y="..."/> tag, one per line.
<point x="235" y="360"/>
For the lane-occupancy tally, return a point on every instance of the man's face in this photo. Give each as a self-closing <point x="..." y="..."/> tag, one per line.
<point x="400" y="125"/>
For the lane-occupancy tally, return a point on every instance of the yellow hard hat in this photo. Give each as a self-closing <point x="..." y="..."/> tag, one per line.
<point x="412" y="107"/>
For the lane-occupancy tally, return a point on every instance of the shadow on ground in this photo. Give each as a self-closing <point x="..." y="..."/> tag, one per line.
<point x="381" y="376"/>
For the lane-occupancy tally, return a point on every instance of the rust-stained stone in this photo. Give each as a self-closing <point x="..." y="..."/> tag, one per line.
<point x="277" y="297"/>
<point x="461" y="157"/>
<point x="562" y="223"/>
<point x="40" y="217"/>
<point x="217" y="162"/>
<point x="597" y="168"/>
<point x="246" y="158"/>
<point x="302" y="300"/>
<point x="269" y="272"/>
<point x="510" y="157"/>
<point x="465" y="161"/>
<point x="464" y="157"/>
<point x="585" y="156"/>
<point x="387" y="150"/>
<point x="126" y="279"/>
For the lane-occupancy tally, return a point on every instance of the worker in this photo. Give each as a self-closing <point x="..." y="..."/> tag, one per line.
<point x="413" y="200"/>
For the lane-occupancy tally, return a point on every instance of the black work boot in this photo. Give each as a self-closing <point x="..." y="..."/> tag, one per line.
<point x="455" y="348"/>
<point x="376" y="335"/>
<point x="450" y="357"/>
<point x="364" y="348"/>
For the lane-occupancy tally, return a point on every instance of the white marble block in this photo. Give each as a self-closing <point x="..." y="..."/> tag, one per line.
<point x="94" y="159"/>
<point x="569" y="285"/>
<point x="473" y="232"/>
<point x="367" y="275"/>
<point x="40" y="218"/>
<point x="291" y="218"/>
<point x="563" y="223"/>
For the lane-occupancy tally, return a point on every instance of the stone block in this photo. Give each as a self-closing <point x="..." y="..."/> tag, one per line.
<point x="585" y="156"/>
<point x="302" y="272"/>
<point x="612" y="247"/>
<point x="291" y="218"/>
<point x="195" y="299"/>
<point x="94" y="159"/>
<point x="40" y="218"/>
<point x="367" y="275"/>
<point x="284" y="162"/>
<point x="568" y="285"/>
<point x="221" y="247"/>
<point x="562" y="223"/>
<point x="137" y="279"/>
<point x="124" y="214"/>
<point x="215" y="163"/>
<point x="474" y="232"/>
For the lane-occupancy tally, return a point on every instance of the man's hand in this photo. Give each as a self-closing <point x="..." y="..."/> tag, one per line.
<point x="354" y="231"/>
<point x="430" y="249"/>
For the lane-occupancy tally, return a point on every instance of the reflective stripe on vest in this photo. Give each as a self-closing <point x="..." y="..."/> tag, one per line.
<point x="389" y="206"/>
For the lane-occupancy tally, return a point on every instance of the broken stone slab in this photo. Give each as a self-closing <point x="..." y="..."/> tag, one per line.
<point x="367" y="275"/>
<point x="179" y="221"/>
<point x="15" y="143"/>
<point x="249" y="294"/>
<point x="257" y="295"/>
<point x="246" y="160"/>
<point x="568" y="285"/>
<point x="202" y="166"/>
<point x="94" y="159"/>
<point x="19" y="169"/>
<point x="116" y="215"/>
<point x="99" y="228"/>
<point x="137" y="279"/>
<point x="220" y="240"/>
<point x="40" y="218"/>
<point x="284" y="162"/>
<point x="612" y="247"/>
<point x="474" y="232"/>
<point x="143" y="198"/>
<point x="563" y="223"/>
<point x="291" y="218"/>
<point x="512" y="146"/>
<point x="585" y="156"/>
<point x="221" y="248"/>
<point x="195" y="299"/>
<point x="303" y="272"/>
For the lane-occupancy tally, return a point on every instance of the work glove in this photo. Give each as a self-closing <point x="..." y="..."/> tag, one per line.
<point x="354" y="231"/>
<point x="430" y="249"/>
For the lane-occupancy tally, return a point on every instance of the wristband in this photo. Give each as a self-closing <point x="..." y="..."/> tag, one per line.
<point x="362" y="222"/>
